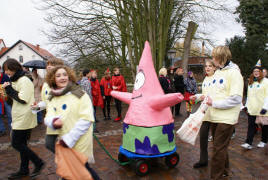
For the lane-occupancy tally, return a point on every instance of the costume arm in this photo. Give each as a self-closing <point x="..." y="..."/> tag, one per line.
<point x="80" y="128"/>
<point x="14" y="94"/>
<point x="163" y="101"/>
<point x="265" y="104"/>
<point x="228" y="103"/>
<point x="122" y="96"/>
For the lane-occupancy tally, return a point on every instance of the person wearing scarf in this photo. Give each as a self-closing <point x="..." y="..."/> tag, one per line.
<point x="256" y="105"/>
<point x="70" y="111"/>
<point x="21" y="90"/>
<point x="51" y="134"/>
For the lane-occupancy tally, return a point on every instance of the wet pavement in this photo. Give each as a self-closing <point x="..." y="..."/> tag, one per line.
<point x="244" y="164"/>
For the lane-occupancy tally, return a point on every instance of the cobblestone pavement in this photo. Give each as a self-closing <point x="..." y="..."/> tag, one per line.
<point x="245" y="165"/>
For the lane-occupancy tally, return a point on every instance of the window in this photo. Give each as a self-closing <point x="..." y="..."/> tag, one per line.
<point x="20" y="47"/>
<point x="21" y="59"/>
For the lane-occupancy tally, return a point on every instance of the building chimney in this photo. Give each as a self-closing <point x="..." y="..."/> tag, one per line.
<point x="38" y="47"/>
<point x="203" y="49"/>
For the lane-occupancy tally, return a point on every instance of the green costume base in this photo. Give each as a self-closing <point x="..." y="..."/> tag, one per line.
<point x="149" y="140"/>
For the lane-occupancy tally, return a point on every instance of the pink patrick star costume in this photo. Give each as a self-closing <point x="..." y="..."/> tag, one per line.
<point x="149" y="125"/>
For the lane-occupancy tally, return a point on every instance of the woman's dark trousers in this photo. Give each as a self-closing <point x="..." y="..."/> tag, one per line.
<point x="19" y="142"/>
<point x="118" y="105"/>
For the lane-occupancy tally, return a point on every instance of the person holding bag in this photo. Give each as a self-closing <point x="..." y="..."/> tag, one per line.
<point x="70" y="110"/>
<point x="204" y="130"/>
<point x="257" y="106"/>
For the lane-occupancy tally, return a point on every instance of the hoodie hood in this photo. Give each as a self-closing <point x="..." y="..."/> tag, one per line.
<point x="231" y="65"/>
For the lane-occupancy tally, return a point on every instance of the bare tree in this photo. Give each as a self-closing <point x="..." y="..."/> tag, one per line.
<point x="191" y="30"/>
<point x="116" y="30"/>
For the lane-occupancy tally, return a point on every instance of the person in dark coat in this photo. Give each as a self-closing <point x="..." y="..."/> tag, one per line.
<point x="191" y="89"/>
<point x="164" y="81"/>
<point x="179" y="87"/>
<point x="5" y="107"/>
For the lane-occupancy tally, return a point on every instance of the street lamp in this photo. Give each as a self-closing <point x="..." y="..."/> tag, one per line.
<point x="171" y="55"/>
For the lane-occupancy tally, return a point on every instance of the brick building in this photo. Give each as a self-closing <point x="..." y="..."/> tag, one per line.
<point x="195" y="64"/>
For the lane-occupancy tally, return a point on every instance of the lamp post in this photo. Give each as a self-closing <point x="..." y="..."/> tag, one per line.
<point x="171" y="56"/>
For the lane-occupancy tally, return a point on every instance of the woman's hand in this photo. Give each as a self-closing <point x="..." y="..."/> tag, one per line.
<point x="245" y="109"/>
<point x="5" y="84"/>
<point x="57" y="123"/>
<point x="62" y="143"/>
<point x="263" y="111"/>
<point x="115" y="87"/>
<point x="202" y="97"/>
<point x="35" y="106"/>
<point x="209" y="101"/>
<point x="193" y="98"/>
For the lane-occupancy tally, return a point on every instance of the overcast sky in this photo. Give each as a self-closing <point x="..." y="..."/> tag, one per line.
<point x="20" y="20"/>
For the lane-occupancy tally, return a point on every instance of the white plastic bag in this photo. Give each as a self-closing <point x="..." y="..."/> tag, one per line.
<point x="191" y="126"/>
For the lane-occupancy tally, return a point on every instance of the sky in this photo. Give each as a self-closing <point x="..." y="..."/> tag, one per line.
<point x="21" y="20"/>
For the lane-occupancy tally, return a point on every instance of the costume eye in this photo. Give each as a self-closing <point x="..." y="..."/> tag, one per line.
<point x="140" y="79"/>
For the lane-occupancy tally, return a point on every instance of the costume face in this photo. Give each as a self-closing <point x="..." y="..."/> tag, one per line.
<point x="256" y="73"/>
<point x="61" y="78"/>
<point x="140" y="80"/>
<point x="9" y="73"/>
<point x="209" y="68"/>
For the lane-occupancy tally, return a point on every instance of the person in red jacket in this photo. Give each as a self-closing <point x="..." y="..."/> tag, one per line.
<point x="96" y="92"/>
<point x="118" y="84"/>
<point x="106" y="88"/>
